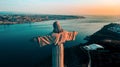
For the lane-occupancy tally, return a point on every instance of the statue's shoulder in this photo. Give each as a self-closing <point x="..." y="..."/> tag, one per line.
<point x="65" y="31"/>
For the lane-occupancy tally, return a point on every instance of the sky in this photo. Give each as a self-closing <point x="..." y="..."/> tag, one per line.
<point x="72" y="7"/>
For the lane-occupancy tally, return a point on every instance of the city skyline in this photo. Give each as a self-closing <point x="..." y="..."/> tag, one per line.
<point x="72" y="7"/>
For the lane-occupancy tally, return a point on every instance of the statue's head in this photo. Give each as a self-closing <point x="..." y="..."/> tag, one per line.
<point x="57" y="27"/>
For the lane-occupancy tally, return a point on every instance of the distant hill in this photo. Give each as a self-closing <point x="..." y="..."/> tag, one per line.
<point x="110" y="31"/>
<point x="19" y="17"/>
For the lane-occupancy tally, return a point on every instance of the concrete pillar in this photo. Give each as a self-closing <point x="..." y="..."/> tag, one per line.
<point x="58" y="56"/>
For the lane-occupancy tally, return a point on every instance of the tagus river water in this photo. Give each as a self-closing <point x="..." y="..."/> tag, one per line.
<point x="16" y="47"/>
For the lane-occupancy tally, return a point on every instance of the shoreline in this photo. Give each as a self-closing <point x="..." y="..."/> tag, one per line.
<point x="11" y="23"/>
<point x="20" y="19"/>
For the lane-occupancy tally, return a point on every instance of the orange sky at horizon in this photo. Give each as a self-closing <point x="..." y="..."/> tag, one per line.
<point x="97" y="10"/>
<point x="70" y="7"/>
<point x="103" y="11"/>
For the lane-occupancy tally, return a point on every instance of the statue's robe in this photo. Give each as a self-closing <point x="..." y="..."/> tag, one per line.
<point x="57" y="51"/>
<point x="56" y="38"/>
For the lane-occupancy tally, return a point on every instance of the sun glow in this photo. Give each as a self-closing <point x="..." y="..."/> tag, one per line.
<point x="81" y="7"/>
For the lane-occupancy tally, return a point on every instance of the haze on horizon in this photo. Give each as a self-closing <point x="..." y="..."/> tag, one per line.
<point x="72" y="7"/>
